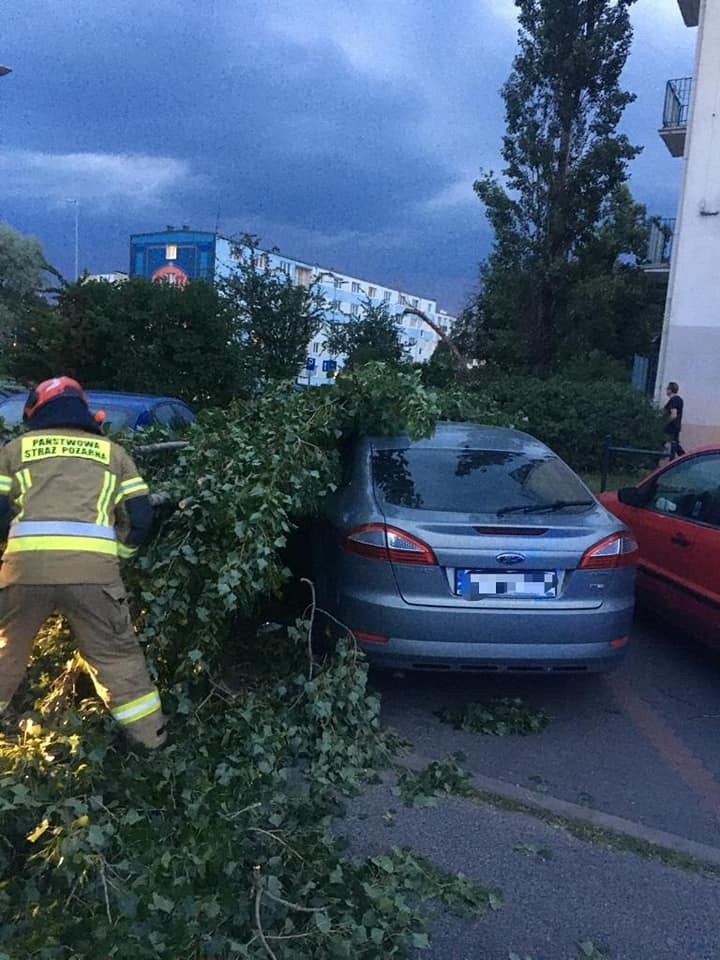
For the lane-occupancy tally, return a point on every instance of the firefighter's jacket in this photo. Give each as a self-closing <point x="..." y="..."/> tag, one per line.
<point x="72" y="504"/>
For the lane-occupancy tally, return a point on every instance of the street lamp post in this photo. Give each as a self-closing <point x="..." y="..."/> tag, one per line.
<point x="76" y="204"/>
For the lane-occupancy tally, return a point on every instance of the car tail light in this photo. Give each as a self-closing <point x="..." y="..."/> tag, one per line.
<point x="617" y="550"/>
<point x="382" y="542"/>
<point x="370" y="637"/>
<point x="619" y="642"/>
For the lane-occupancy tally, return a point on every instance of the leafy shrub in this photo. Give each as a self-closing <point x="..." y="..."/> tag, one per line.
<point x="249" y="474"/>
<point x="575" y="418"/>
<point x="441" y="778"/>
<point x="499" y="718"/>
<point x="217" y="846"/>
<point x="219" y="843"/>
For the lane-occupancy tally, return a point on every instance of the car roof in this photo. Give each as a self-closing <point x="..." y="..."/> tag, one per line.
<point x="118" y="396"/>
<point x="135" y="401"/>
<point x="472" y="436"/>
<point x="707" y="448"/>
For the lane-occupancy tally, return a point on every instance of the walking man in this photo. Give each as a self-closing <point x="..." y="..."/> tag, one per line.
<point x="674" y="411"/>
<point x="71" y="505"/>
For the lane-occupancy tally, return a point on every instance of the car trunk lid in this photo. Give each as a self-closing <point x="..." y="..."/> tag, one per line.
<point x="496" y="522"/>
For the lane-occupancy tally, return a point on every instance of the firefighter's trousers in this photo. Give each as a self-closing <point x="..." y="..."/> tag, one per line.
<point x="100" y="621"/>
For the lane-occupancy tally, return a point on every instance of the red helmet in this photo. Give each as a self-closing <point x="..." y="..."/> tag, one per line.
<point x="50" y="390"/>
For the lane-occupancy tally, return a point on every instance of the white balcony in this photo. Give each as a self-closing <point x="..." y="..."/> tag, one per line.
<point x="675" y="114"/>
<point x="690" y="10"/>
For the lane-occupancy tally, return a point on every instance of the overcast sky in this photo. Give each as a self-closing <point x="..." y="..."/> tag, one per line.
<point x="346" y="133"/>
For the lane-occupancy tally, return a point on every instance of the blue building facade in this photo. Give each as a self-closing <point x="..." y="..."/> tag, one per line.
<point x="175" y="256"/>
<point x="178" y="256"/>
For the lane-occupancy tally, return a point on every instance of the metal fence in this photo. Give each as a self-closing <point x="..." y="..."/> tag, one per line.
<point x="609" y="449"/>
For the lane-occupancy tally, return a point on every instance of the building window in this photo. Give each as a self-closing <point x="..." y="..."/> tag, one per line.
<point x="372" y="291"/>
<point x="335" y="305"/>
<point x="387" y="296"/>
<point x="355" y="309"/>
<point x="337" y="282"/>
<point x="414" y="302"/>
<point x="316" y="347"/>
<point x="402" y="298"/>
<point x="285" y="267"/>
<point x="355" y="287"/>
<point x="303" y="276"/>
<point x="171" y="251"/>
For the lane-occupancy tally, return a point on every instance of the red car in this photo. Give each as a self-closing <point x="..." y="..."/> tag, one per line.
<point x="675" y="516"/>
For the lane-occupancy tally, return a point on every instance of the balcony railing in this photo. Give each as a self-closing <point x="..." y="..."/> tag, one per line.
<point x="675" y="114"/>
<point x="677" y="102"/>
<point x="660" y="242"/>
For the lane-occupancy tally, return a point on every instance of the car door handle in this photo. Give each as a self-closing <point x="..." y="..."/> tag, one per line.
<point x="681" y="540"/>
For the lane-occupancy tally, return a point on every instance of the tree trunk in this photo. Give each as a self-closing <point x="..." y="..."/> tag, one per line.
<point x="462" y="363"/>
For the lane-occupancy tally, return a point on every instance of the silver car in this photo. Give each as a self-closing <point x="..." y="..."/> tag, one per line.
<point x="477" y="549"/>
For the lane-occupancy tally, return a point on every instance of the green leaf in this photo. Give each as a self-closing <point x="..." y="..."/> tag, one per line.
<point x="323" y="922"/>
<point x="495" y="901"/>
<point x="163" y="904"/>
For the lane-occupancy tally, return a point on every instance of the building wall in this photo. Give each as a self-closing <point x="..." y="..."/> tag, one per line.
<point x="175" y="256"/>
<point x="690" y="350"/>
<point x="115" y="277"/>
<point x="196" y="255"/>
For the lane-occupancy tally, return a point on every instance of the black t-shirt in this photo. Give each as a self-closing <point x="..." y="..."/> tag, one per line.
<point x="672" y="427"/>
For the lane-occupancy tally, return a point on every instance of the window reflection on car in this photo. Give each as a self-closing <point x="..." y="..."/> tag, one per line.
<point x="690" y="490"/>
<point x="480" y="481"/>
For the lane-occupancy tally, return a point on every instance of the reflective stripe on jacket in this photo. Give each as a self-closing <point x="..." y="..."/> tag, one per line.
<point x="70" y="494"/>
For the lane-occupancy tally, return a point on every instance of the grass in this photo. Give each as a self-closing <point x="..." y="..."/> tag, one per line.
<point x="598" y="836"/>
<point x="422" y="787"/>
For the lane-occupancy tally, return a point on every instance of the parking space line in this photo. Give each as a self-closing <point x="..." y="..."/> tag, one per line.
<point x="673" y="750"/>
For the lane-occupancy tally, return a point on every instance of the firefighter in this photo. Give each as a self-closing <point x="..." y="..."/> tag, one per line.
<point x="71" y="506"/>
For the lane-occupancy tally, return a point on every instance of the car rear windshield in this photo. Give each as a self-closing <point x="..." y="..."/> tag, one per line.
<point x="11" y="411"/>
<point x="471" y="481"/>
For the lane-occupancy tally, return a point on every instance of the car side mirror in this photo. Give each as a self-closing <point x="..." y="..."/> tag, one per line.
<point x="633" y="496"/>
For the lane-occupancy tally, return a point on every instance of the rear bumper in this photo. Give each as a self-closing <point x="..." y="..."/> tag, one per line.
<point x="493" y="658"/>
<point x="537" y="641"/>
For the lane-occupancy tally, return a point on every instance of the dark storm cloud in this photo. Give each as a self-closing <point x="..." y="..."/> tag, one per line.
<point x="346" y="134"/>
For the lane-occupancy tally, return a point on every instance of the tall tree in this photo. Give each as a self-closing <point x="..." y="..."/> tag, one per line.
<point x="373" y="336"/>
<point x="22" y="265"/>
<point x="275" y="318"/>
<point x="135" y="335"/>
<point x="564" y="161"/>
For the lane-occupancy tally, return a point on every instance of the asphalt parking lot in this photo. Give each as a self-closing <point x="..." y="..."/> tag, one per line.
<point x="642" y="743"/>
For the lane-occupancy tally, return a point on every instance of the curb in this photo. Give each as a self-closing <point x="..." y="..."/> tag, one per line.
<point x="534" y="801"/>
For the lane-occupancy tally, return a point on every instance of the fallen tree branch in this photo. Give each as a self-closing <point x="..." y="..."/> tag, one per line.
<point x="293" y="906"/>
<point x="462" y="363"/>
<point x="310" y="625"/>
<point x="258" y="918"/>
<point x="145" y="448"/>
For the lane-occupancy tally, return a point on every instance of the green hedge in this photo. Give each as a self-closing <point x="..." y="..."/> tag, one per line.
<point x="576" y="418"/>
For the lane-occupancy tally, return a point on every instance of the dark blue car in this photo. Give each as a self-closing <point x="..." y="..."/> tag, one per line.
<point x="123" y="411"/>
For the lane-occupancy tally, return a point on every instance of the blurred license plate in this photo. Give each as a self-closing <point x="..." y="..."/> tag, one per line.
<point x="472" y="584"/>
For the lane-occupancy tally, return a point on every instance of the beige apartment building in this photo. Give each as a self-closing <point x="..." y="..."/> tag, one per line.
<point x="690" y="346"/>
